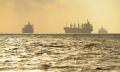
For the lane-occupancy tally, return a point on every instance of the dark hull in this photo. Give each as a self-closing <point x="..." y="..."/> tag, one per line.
<point x="73" y="30"/>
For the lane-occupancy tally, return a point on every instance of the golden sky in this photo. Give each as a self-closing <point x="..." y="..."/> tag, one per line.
<point x="50" y="16"/>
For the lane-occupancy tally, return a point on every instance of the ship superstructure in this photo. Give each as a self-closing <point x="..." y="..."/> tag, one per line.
<point x="84" y="28"/>
<point x="28" y="28"/>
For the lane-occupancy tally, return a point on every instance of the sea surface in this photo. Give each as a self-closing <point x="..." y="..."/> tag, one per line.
<point x="47" y="53"/>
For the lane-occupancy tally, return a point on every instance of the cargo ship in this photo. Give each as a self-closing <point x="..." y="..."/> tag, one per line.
<point x="84" y="28"/>
<point x="28" y="28"/>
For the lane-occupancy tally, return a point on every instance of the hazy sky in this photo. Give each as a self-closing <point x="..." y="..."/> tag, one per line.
<point x="50" y="16"/>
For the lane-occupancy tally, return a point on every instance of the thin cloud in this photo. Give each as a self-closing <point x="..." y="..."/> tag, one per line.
<point x="29" y="5"/>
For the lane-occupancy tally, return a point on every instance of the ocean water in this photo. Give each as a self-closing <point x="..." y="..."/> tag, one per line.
<point x="47" y="53"/>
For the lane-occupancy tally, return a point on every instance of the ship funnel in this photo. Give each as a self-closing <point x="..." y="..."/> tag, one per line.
<point x="71" y="25"/>
<point x="88" y="22"/>
<point x="78" y="26"/>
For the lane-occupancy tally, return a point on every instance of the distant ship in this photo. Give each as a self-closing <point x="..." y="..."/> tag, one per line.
<point x="28" y="28"/>
<point x="84" y="28"/>
<point x="102" y="31"/>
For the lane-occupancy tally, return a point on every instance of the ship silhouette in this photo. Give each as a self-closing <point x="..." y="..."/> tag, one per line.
<point x="28" y="28"/>
<point x="102" y="30"/>
<point x="84" y="28"/>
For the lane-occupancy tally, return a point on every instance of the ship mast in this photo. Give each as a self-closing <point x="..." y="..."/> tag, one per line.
<point x="71" y="25"/>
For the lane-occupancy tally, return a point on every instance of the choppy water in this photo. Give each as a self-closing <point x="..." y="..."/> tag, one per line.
<point x="58" y="54"/>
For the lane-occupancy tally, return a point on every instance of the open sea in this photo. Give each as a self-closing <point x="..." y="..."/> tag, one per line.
<point x="59" y="53"/>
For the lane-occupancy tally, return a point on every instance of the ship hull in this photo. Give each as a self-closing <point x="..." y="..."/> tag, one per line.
<point x="73" y="30"/>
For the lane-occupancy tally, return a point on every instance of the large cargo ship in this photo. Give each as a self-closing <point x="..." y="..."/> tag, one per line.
<point x="84" y="28"/>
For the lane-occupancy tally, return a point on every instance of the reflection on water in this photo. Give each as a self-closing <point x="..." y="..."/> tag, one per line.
<point x="60" y="54"/>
